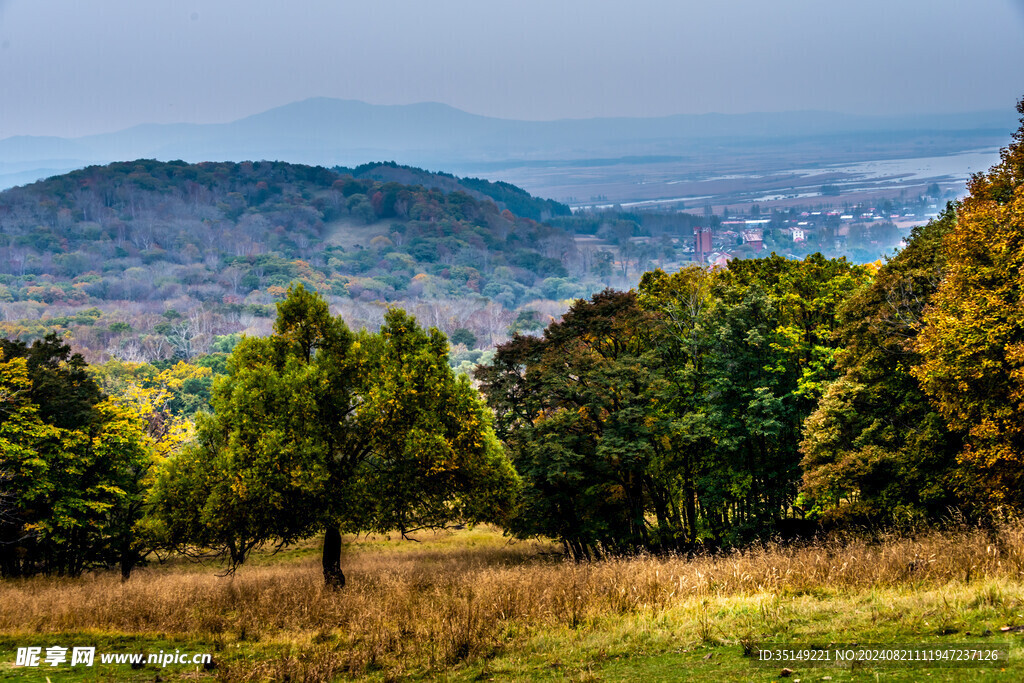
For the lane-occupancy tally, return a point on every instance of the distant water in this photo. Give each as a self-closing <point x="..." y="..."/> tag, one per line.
<point x="875" y="175"/>
<point x="952" y="166"/>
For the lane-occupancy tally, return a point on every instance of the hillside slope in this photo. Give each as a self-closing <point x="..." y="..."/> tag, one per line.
<point x="149" y="259"/>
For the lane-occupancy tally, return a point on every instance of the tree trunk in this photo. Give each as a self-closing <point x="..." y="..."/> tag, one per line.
<point x="333" y="576"/>
<point x="127" y="563"/>
<point x="689" y="499"/>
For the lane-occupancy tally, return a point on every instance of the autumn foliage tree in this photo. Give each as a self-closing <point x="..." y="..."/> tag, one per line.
<point x="972" y="341"/>
<point x="74" y="466"/>
<point x="875" y="449"/>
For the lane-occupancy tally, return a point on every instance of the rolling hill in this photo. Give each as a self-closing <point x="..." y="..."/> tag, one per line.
<point x="149" y="259"/>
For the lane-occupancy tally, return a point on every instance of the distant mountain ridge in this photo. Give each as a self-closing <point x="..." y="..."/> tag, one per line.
<point x="333" y="132"/>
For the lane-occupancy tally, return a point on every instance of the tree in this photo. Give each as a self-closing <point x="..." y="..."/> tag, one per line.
<point x="671" y="417"/>
<point x="316" y="429"/>
<point x="580" y="412"/>
<point x="465" y="337"/>
<point x="431" y="454"/>
<point x="771" y="356"/>
<point x="73" y="467"/>
<point x="753" y="410"/>
<point x="22" y="433"/>
<point x="130" y="452"/>
<point x="875" y="448"/>
<point x="60" y="386"/>
<point x="683" y="299"/>
<point x="972" y="341"/>
<point x="152" y="409"/>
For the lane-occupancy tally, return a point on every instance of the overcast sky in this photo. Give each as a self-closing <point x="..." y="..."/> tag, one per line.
<point x="73" y="67"/>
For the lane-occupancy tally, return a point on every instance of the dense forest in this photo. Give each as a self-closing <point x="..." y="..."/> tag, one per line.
<point x="706" y="408"/>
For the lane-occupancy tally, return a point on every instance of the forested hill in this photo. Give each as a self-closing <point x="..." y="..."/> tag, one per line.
<point x="117" y="253"/>
<point x="508" y="196"/>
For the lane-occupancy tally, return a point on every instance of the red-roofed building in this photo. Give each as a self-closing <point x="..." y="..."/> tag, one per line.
<point x="754" y="238"/>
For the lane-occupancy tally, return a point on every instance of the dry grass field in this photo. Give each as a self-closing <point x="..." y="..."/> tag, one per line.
<point x="472" y="606"/>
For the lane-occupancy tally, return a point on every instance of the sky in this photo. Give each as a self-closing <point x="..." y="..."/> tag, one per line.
<point x="71" y="67"/>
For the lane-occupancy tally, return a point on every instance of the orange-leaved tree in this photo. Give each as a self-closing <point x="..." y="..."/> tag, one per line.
<point x="972" y="341"/>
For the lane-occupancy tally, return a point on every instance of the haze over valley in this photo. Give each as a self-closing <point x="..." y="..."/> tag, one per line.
<point x="724" y="160"/>
<point x="525" y="341"/>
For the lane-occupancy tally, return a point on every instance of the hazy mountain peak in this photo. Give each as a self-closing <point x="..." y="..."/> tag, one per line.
<point x="329" y="131"/>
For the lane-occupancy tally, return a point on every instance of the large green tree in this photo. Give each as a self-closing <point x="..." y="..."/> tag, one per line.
<point x="581" y="411"/>
<point x="748" y="351"/>
<point x="772" y="355"/>
<point x="662" y="419"/>
<point x="317" y="429"/>
<point x="683" y="300"/>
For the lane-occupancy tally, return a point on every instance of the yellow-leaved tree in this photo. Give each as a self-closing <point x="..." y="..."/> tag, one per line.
<point x="972" y="340"/>
<point x="75" y="466"/>
<point x="142" y="400"/>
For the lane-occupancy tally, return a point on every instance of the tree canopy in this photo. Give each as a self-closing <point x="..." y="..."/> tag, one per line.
<point x="972" y="340"/>
<point x="75" y="465"/>
<point x="317" y="429"/>
<point x="653" y="420"/>
<point x="875" y="447"/>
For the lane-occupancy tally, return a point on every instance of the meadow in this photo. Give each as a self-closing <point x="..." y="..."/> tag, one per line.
<point x="474" y="605"/>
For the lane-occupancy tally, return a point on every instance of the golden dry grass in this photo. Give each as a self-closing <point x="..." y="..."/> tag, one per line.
<point x="430" y="607"/>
